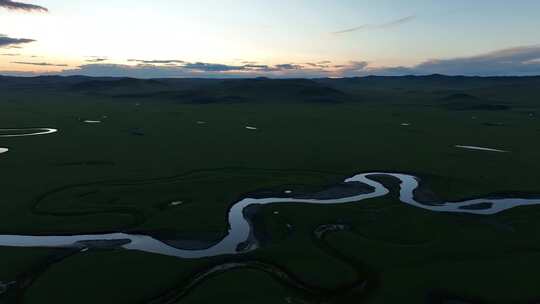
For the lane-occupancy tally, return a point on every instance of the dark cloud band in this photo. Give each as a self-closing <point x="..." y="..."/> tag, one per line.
<point x="386" y="25"/>
<point x="157" y="61"/>
<point x="518" y="61"/>
<point x="40" y="63"/>
<point x="14" y="5"/>
<point x="6" y="41"/>
<point x="96" y="59"/>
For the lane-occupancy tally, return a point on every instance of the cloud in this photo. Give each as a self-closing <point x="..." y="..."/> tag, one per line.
<point x="195" y="70"/>
<point x="397" y="22"/>
<point x="353" y="29"/>
<point x="259" y="68"/>
<point x="136" y="71"/>
<point x="382" y="26"/>
<point x="513" y="61"/>
<point x="170" y="61"/>
<point x="212" y="67"/>
<point x="14" y="5"/>
<point x="178" y="68"/>
<point x="353" y="68"/>
<point x="40" y="63"/>
<point x="289" y="66"/>
<point x="10" y="54"/>
<point x="518" y="61"/>
<point x="321" y="64"/>
<point x="96" y="59"/>
<point x="8" y="42"/>
<point x="206" y="70"/>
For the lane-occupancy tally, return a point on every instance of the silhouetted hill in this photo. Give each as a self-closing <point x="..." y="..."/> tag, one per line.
<point x="246" y="90"/>
<point x="451" y="92"/>
<point x="467" y="102"/>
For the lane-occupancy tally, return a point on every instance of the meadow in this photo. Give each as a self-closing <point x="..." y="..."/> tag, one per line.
<point x="127" y="149"/>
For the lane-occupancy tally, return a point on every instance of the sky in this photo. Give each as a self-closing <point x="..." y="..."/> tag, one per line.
<point x="278" y="38"/>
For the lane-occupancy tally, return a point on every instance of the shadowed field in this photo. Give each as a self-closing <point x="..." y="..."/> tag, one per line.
<point x="152" y="167"/>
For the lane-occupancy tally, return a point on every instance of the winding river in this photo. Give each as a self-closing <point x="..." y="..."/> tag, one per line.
<point x="241" y="237"/>
<point x="24" y="132"/>
<point x="27" y="132"/>
<point x="480" y="149"/>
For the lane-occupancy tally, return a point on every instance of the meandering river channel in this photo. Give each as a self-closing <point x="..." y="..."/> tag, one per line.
<point x="241" y="237"/>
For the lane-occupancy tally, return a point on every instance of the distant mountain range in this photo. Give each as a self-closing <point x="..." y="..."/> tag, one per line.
<point x="451" y="92"/>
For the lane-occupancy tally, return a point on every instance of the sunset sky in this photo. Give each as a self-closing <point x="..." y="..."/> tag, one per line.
<point x="279" y="38"/>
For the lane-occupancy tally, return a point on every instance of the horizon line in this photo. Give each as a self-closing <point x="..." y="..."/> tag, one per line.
<point x="273" y="78"/>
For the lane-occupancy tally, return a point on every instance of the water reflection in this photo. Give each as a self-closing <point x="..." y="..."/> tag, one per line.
<point x="241" y="237"/>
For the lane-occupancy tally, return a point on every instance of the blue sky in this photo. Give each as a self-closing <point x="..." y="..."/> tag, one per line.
<point x="293" y="38"/>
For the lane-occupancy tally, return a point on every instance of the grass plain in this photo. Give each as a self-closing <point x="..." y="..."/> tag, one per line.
<point x="161" y="141"/>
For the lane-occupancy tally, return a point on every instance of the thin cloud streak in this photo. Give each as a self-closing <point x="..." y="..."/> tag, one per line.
<point x="8" y="42"/>
<point x="517" y="61"/>
<point x="40" y="63"/>
<point x="212" y="67"/>
<point x="382" y="26"/>
<point x="15" y="5"/>
<point x="96" y="59"/>
<point x="157" y="61"/>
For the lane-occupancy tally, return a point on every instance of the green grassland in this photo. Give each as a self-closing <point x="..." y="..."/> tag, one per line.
<point x="150" y="150"/>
